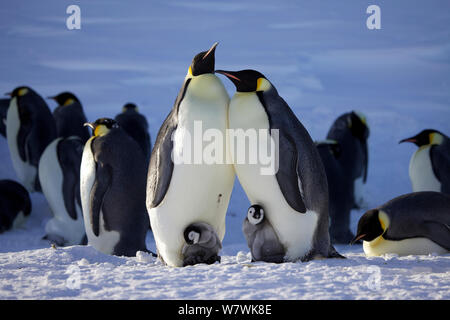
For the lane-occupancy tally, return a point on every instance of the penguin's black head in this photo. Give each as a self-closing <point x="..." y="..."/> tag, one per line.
<point x="247" y="80"/>
<point x="129" y="107"/>
<point x="204" y="62"/>
<point x="20" y="91"/>
<point x="102" y="126"/>
<point x="192" y="234"/>
<point x="65" y="98"/>
<point x="425" y="137"/>
<point x="255" y="214"/>
<point x="370" y="226"/>
<point x="358" y="125"/>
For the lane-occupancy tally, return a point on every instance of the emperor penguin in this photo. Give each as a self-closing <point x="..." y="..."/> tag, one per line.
<point x="261" y="237"/>
<point x="180" y="191"/>
<point x="295" y="194"/>
<point x="136" y="125"/>
<point x="4" y="105"/>
<point x="30" y="127"/>
<point x="112" y="186"/>
<point x="415" y="223"/>
<point x="69" y="117"/>
<point x="429" y="167"/>
<point x="59" y="168"/>
<point x="345" y="157"/>
<point x="15" y="205"/>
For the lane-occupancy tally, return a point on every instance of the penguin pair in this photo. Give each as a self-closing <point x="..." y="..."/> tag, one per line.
<point x="59" y="169"/>
<point x="429" y="167"/>
<point x="136" y="125"/>
<point x="293" y="201"/>
<point x="30" y="127"/>
<point x="15" y="205"/>
<point x="415" y="223"/>
<point x="345" y="158"/>
<point x="112" y="186"/>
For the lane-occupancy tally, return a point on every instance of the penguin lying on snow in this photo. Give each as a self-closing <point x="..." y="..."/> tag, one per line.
<point x="295" y="198"/>
<point x="59" y="169"/>
<point x="30" y="127"/>
<point x="181" y="194"/>
<point x="69" y="117"/>
<point x="4" y="105"/>
<point x="15" y="205"/>
<point x="112" y="184"/>
<point x="136" y="125"/>
<point x="345" y="158"/>
<point x="415" y="223"/>
<point x="429" y="167"/>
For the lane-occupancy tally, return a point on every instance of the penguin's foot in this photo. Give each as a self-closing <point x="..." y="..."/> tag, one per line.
<point x="55" y="240"/>
<point x="201" y="257"/>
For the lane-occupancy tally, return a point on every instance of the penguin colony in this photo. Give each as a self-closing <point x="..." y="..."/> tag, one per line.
<point x="109" y="188"/>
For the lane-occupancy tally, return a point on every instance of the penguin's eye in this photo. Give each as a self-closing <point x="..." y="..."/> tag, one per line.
<point x="251" y="211"/>
<point x="194" y="237"/>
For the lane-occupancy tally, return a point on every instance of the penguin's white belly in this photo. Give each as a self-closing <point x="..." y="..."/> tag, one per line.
<point x="295" y="230"/>
<point x="413" y="246"/>
<point x="106" y="240"/>
<point x="421" y="171"/>
<point x="26" y="173"/>
<point x="197" y="192"/>
<point x="51" y="178"/>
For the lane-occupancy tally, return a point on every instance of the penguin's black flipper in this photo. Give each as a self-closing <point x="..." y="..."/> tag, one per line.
<point x="69" y="155"/>
<point x="439" y="233"/>
<point x="101" y="185"/>
<point x="440" y="160"/>
<point x="24" y="132"/>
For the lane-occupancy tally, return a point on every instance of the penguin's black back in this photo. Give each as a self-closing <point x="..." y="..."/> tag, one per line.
<point x="13" y="199"/>
<point x="70" y="121"/>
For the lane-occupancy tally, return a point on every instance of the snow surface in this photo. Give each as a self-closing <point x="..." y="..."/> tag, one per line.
<point x="323" y="61"/>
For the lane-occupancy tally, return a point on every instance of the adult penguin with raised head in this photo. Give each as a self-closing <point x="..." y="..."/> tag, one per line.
<point x="136" y="125"/>
<point x="69" y="117"/>
<point x="414" y="223"/>
<point x="112" y="184"/>
<point x="15" y="205"/>
<point x="294" y="197"/>
<point x="4" y="105"/>
<point x="345" y="157"/>
<point x="30" y="127"/>
<point x="429" y="167"/>
<point x="184" y="193"/>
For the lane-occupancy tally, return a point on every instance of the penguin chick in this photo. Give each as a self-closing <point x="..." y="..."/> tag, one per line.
<point x="202" y="244"/>
<point x="414" y="223"/>
<point x="429" y="167"/>
<point x="15" y="205"/>
<point x="261" y="237"/>
<point x="69" y="117"/>
<point x="136" y="125"/>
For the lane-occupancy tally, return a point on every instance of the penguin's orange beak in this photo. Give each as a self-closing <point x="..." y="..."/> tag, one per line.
<point x="8" y="94"/>
<point x="408" y="140"/>
<point x="357" y="238"/>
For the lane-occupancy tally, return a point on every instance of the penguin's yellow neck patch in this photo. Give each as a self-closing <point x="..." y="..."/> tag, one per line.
<point x="436" y="138"/>
<point x="68" y="102"/>
<point x="22" y="92"/>
<point x="262" y="84"/>
<point x="101" y="130"/>
<point x="384" y="220"/>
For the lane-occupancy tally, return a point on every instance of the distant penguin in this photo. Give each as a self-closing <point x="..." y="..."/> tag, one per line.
<point x="414" y="223"/>
<point x="69" y="117"/>
<point x="261" y="237"/>
<point x="112" y="184"/>
<point x="59" y="169"/>
<point x="30" y="127"/>
<point x="4" y="105"/>
<point x="294" y="197"/>
<point x="182" y="193"/>
<point x="202" y="244"/>
<point x="136" y="125"/>
<point x="15" y="205"/>
<point x="429" y="167"/>
<point x="345" y="158"/>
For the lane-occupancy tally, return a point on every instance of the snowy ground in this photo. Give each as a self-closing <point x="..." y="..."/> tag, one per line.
<point x="323" y="61"/>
